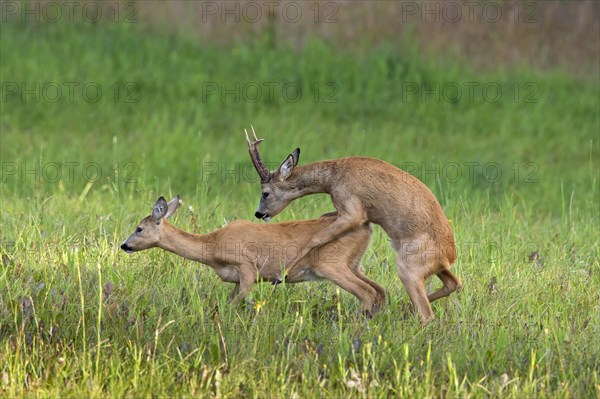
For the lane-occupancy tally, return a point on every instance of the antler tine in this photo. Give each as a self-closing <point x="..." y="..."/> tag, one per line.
<point x="257" y="140"/>
<point x="260" y="167"/>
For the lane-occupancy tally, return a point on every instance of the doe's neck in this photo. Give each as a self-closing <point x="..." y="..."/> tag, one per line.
<point x="197" y="247"/>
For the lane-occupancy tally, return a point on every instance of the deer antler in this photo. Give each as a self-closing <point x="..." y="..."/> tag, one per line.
<point x="262" y="170"/>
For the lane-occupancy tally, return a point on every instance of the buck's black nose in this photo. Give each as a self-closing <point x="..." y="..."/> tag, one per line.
<point x="126" y="247"/>
<point x="259" y="215"/>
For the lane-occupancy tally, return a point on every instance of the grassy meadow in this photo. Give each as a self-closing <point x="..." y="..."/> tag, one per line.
<point x="98" y="121"/>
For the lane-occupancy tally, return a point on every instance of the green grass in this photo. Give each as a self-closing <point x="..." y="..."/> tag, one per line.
<point x="78" y="317"/>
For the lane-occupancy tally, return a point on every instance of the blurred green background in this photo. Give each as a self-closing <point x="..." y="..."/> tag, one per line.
<point x="106" y="106"/>
<point x="137" y="98"/>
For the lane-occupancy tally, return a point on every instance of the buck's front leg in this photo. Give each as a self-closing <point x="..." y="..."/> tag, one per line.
<point x="352" y="217"/>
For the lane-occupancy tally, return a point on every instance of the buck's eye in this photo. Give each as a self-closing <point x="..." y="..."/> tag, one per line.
<point x="265" y="195"/>
<point x="138" y="230"/>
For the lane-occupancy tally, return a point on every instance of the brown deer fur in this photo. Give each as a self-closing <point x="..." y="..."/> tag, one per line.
<point x="366" y="189"/>
<point x="243" y="252"/>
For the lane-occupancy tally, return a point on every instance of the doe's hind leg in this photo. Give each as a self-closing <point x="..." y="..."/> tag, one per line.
<point x="380" y="301"/>
<point x="344" y="278"/>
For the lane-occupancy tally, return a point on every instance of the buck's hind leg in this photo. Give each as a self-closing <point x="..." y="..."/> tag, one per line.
<point x="416" y="260"/>
<point x="451" y="284"/>
<point x="415" y="287"/>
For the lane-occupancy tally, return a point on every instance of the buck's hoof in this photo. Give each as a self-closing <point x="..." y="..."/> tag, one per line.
<point x="370" y="313"/>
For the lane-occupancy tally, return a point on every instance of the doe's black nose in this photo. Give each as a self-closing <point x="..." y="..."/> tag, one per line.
<point x="126" y="247"/>
<point x="259" y="215"/>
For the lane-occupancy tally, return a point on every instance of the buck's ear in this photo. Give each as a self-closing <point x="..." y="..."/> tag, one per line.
<point x="160" y="208"/>
<point x="296" y="156"/>
<point x="287" y="166"/>
<point x="173" y="205"/>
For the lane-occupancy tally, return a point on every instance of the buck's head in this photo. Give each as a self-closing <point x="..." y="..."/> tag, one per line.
<point x="148" y="232"/>
<point x="277" y="192"/>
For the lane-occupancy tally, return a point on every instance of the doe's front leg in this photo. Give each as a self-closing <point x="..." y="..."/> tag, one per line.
<point x="234" y="292"/>
<point x="243" y="288"/>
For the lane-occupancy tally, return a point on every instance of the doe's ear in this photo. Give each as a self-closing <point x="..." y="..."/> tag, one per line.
<point x="160" y="208"/>
<point x="172" y="206"/>
<point x="287" y="166"/>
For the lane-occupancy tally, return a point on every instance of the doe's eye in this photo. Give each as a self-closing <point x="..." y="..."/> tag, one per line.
<point x="265" y="195"/>
<point x="138" y="230"/>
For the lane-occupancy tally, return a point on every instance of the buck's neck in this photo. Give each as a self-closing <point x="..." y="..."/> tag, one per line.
<point x="313" y="178"/>
<point x="197" y="247"/>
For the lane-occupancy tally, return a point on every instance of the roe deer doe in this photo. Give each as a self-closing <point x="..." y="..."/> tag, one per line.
<point x="243" y="252"/>
<point x="366" y="189"/>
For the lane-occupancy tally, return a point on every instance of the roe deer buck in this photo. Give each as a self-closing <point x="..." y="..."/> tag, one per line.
<point x="243" y="252"/>
<point x="367" y="189"/>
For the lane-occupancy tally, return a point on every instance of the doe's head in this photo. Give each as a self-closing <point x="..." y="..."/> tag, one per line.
<point x="148" y="232"/>
<point x="276" y="188"/>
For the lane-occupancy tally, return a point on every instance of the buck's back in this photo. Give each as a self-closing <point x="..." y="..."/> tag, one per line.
<point x="393" y="198"/>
